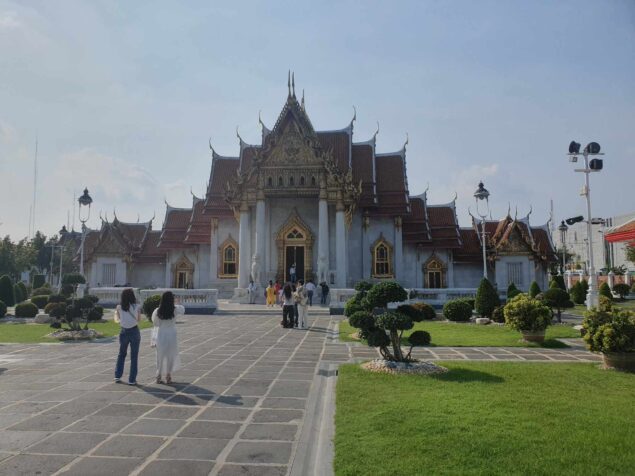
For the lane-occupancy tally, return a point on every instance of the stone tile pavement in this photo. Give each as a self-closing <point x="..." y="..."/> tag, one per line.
<point x="251" y="399"/>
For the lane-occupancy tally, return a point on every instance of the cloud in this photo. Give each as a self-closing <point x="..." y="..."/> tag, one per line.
<point x="8" y="133"/>
<point x="9" y="21"/>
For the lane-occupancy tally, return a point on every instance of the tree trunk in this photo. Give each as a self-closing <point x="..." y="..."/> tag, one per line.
<point x="396" y="345"/>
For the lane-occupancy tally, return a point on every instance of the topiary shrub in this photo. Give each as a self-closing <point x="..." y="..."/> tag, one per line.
<point x="73" y="279"/>
<point x="94" y="299"/>
<point x="419" y="338"/>
<point x="24" y="289"/>
<point x="67" y="290"/>
<point x="622" y="290"/>
<point x="56" y="310"/>
<point x="3" y="309"/>
<point x="534" y="289"/>
<point x="38" y="281"/>
<point x="362" y="320"/>
<point x="96" y="313"/>
<point x="486" y="299"/>
<point x="17" y="292"/>
<point x="512" y="291"/>
<point x="498" y="314"/>
<point x="523" y="313"/>
<point x="26" y="309"/>
<point x="7" y="293"/>
<point x="352" y="306"/>
<point x="428" y="311"/>
<point x="470" y="301"/>
<point x="577" y="293"/>
<point x="609" y="331"/>
<point x="41" y="292"/>
<point x="414" y="313"/>
<point x="457" y="310"/>
<point x="363" y="287"/>
<point x="559" y="282"/>
<point x="557" y="300"/>
<point x="57" y="298"/>
<point x="605" y="290"/>
<point x="383" y="293"/>
<point x="150" y="304"/>
<point x="585" y="286"/>
<point x="40" y="301"/>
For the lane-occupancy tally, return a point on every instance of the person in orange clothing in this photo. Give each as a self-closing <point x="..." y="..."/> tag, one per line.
<point x="271" y="294"/>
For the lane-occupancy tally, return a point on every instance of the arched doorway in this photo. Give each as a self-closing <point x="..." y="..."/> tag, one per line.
<point x="295" y="247"/>
<point x="183" y="273"/>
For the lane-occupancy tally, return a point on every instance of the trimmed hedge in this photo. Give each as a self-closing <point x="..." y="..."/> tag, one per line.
<point x="23" y="289"/>
<point x="498" y="315"/>
<point x="3" y="309"/>
<point x="458" y="310"/>
<point x="57" y="298"/>
<point x="56" y="309"/>
<point x="428" y="311"/>
<point x="17" y="292"/>
<point x="96" y="313"/>
<point x="40" y="301"/>
<point x="420" y="338"/>
<point x="486" y="298"/>
<point x="26" y="309"/>
<point x="412" y="312"/>
<point x="41" y="291"/>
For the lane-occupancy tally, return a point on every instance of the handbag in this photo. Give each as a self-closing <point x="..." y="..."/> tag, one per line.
<point x="154" y="336"/>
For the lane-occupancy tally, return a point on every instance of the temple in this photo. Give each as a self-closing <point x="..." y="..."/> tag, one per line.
<point x="336" y="209"/>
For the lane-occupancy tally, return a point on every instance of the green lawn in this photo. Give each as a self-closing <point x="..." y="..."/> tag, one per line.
<point x="35" y="333"/>
<point x="486" y="418"/>
<point x="472" y="335"/>
<point x="580" y="309"/>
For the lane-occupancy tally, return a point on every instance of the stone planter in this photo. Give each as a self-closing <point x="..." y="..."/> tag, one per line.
<point x="620" y="360"/>
<point x="482" y="320"/>
<point x="534" y="336"/>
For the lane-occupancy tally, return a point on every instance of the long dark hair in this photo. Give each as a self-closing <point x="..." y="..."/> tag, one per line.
<point x="166" y="307"/>
<point x="127" y="299"/>
<point x="287" y="291"/>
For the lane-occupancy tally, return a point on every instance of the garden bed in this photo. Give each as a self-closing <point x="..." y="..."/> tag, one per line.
<point x="38" y="333"/>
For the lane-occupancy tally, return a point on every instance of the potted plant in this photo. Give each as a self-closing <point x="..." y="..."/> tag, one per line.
<point x="528" y="316"/>
<point x="613" y="334"/>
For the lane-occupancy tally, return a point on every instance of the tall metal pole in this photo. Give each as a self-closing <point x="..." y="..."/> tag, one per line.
<point x="592" y="299"/>
<point x="484" y="254"/>
<point x="81" y="262"/>
<point x="59" y="278"/>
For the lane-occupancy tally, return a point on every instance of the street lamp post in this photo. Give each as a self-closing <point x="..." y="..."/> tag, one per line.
<point x="480" y="195"/>
<point x="563" y="238"/>
<point x="84" y="214"/>
<point x="593" y="165"/>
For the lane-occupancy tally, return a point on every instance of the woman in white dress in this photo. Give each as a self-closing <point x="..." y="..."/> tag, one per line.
<point x="164" y="320"/>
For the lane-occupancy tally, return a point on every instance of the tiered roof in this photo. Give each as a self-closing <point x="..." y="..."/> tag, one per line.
<point x="625" y="232"/>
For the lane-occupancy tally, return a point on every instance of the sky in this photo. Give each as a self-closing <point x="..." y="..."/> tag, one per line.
<point x="124" y="96"/>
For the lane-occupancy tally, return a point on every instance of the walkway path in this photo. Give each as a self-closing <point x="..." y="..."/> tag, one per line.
<point x="252" y="399"/>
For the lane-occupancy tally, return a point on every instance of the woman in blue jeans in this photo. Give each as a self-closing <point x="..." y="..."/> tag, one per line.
<point x="127" y="315"/>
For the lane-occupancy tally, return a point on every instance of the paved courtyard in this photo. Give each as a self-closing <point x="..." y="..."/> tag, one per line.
<point x="251" y="399"/>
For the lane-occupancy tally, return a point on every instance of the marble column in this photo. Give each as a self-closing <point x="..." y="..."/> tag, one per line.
<point x="366" y="256"/>
<point x="213" y="250"/>
<point x="167" y="270"/>
<point x="398" y="250"/>
<point x="257" y="264"/>
<point x="323" y="239"/>
<point x="340" y="245"/>
<point x="244" y="243"/>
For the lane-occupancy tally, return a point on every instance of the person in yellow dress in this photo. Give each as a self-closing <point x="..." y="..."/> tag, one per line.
<point x="271" y="294"/>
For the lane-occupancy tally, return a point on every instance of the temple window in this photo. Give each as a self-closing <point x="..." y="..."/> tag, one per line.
<point x="280" y="182"/>
<point x="382" y="259"/>
<point x="313" y="181"/>
<point x="302" y="180"/>
<point x="228" y="259"/>
<point x="434" y="271"/>
<point x="291" y="181"/>
<point x="295" y="234"/>
<point x="270" y="181"/>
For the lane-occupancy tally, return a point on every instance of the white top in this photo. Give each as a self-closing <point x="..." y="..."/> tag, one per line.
<point x="158" y="322"/>
<point x="127" y="319"/>
<point x="292" y="270"/>
<point x="309" y="286"/>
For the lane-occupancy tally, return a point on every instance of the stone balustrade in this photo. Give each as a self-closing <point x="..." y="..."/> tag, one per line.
<point x="110" y="297"/>
<point x="195" y="301"/>
<point x="438" y="297"/>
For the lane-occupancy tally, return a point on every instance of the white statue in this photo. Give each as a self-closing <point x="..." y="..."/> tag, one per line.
<point x="322" y="270"/>
<point x="255" y="269"/>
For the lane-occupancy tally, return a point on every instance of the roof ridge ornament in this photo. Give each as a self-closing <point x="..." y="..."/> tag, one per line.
<point x="354" y="115"/>
<point x="293" y="84"/>
<point x="289" y="83"/>
<point x="302" y="103"/>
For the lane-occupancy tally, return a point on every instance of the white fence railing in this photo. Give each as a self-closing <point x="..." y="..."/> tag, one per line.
<point x="110" y="297"/>
<point x="194" y="300"/>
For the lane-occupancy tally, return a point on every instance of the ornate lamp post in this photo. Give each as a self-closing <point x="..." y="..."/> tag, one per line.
<point x="480" y="195"/>
<point x="563" y="238"/>
<point x="84" y="214"/>
<point x="593" y="165"/>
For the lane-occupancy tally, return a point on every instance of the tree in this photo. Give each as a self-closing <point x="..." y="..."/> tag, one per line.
<point x="486" y="298"/>
<point x="605" y="290"/>
<point x="630" y="253"/>
<point x="559" y="280"/>
<point x="534" y="289"/>
<point x="557" y="299"/>
<point x="512" y="291"/>
<point x="7" y="293"/>
<point x="577" y="293"/>
<point x="622" y="290"/>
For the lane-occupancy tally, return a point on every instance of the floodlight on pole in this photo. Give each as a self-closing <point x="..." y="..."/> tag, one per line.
<point x="591" y="149"/>
<point x="482" y="194"/>
<point x="85" y="202"/>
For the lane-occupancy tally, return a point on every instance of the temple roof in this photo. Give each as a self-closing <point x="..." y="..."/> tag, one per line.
<point x="624" y="232"/>
<point x="129" y="239"/>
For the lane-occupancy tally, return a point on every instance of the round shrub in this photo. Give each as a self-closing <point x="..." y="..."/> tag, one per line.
<point x="94" y="299"/>
<point x="41" y="292"/>
<point x="557" y="300"/>
<point x="67" y="289"/>
<point x="486" y="299"/>
<point x="362" y="320"/>
<point x="383" y="293"/>
<point x="426" y="309"/>
<point x="610" y="332"/>
<point x="577" y="293"/>
<point x="26" y="309"/>
<point x="393" y="320"/>
<point x="512" y="291"/>
<point x="3" y="309"/>
<point x="351" y="307"/>
<point x="150" y="304"/>
<point x="605" y="290"/>
<point x="96" y="313"/>
<point x="534" y="289"/>
<point x="419" y="338"/>
<point x="498" y="314"/>
<point x="363" y="286"/>
<point x="470" y="301"/>
<point x="73" y="279"/>
<point x="7" y="293"/>
<point x="57" y="298"/>
<point x="55" y="309"/>
<point x="25" y="290"/>
<point x="17" y="292"/>
<point x="416" y="314"/>
<point x="622" y="290"/>
<point x="605" y="304"/>
<point x="377" y="338"/>
<point x="40" y="301"/>
<point x="457" y="310"/>
<point x="523" y="313"/>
